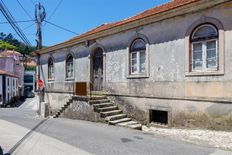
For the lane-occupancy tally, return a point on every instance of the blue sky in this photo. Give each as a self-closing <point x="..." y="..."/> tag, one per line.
<point x="76" y="15"/>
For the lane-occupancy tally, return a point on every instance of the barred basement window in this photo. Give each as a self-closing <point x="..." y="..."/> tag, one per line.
<point x="159" y="117"/>
<point x="204" y="50"/>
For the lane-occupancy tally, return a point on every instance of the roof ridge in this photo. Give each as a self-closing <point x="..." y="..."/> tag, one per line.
<point x="149" y="12"/>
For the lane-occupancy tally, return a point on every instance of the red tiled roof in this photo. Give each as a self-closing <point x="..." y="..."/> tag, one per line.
<point x="2" y="72"/>
<point x="153" y="11"/>
<point x="156" y="10"/>
<point x="30" y="63"/>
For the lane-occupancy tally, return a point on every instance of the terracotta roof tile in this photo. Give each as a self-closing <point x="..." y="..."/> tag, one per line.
<point x="153" y="11"/>
<point x="156" y="10"/>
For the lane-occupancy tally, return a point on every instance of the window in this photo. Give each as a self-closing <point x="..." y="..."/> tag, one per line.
<point x="138" y="57"/>
<point x="159" y="117"/>
<point x="50" y="69"/>
<point x="204" y="48"/>
<point x="69" y="66"/>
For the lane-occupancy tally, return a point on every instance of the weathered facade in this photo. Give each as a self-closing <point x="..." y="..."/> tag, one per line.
<point x="172" y="62"/>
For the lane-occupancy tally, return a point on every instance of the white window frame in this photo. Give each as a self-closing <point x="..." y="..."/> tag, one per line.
<point x="138" y="64"/>
<point x="204" y="56"/>
<point x="204" y="51"/>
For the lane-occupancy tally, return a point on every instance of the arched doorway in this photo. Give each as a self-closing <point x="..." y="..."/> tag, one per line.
<point x="97" y="69"/>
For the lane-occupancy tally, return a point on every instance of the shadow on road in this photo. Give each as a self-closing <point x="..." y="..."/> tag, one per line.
<point x="1" y="152"/>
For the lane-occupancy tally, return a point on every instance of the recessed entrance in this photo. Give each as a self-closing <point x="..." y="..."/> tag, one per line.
<point x="97" y="69"/>
<point x="159" y="117"/>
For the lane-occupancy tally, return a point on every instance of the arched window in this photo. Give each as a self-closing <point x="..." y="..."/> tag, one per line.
<point x="138" y="57"/>
<point x="69" y="66"/>
<point x="50" y="69"/>
<point x="204" y="49"/>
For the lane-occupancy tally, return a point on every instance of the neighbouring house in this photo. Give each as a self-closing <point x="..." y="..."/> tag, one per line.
<point x="8" y="87"/>
<point x="171" y="64"/>
<point x="10" y="62"/>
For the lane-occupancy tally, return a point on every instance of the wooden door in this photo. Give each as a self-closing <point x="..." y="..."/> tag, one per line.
<point x="98" y="70"/>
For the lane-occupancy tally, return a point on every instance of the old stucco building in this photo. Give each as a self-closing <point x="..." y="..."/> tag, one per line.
<point x="173" y="61"/>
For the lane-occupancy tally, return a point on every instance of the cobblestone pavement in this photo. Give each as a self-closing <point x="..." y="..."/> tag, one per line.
<point x="218" y="139"/>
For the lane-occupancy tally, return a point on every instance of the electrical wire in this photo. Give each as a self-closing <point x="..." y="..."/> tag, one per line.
<point x="32" y="2"/>
<point x="13" y="23"/>
<point x="61" y="27"/>
<point x="24" y="10"/>
<point x="53" y="12"/>
<point x="21" y="21"/>
<point x="28" y="27"/>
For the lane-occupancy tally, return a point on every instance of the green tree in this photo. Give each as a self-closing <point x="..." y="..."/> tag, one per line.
<point x="20" y="46"/>
<point x="6" y="46"/>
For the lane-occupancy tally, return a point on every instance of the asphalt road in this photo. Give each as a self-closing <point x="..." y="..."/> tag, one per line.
<point x="24" y="135"/>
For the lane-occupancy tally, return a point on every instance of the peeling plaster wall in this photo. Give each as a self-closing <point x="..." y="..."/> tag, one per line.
<point x="189" y="97"/>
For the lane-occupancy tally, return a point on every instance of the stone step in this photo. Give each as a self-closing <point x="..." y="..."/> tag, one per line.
<point x="80" y="98"/>
<point x="103" y="105"/>
<point x="131" y="124"/>
<point x="98" y="93"/>
<point x="110" y="113"/>
<point x="127" y="123"/>
<point x="137" y="126"/>
<point x="65" y="106"/>
<point x="105" y="109"/>
<point x="98" y="101"/>
<point x="119" y="121"/>
<point x="115" y="117"/>
<point x="97" y="97"/>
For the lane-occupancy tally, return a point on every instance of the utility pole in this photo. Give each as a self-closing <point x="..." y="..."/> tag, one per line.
<point x="40" y="15"/>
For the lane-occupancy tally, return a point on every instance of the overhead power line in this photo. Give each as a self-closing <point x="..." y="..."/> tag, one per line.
<point x="24" y="10"/>
<point x="61" y="27"/>
<point x="54" y="11"/>
<point x="13" y="23"/>
<point x="20" y="21"/>
<point x="28" y="27"/>
<point x="32" y="2"/>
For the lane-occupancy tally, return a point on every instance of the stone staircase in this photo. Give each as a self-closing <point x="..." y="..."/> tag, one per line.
<point x="62" y="109"/>
<point x="107" y="110"/>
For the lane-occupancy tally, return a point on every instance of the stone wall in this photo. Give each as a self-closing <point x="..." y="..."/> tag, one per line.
<point x="181" y="113"/>
<point x="82" y="110"/>
<point x="56" y="101"/>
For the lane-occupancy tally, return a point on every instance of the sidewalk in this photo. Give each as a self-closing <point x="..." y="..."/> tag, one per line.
<point x="218" y="139"/>
<point x="28" y="109"/>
